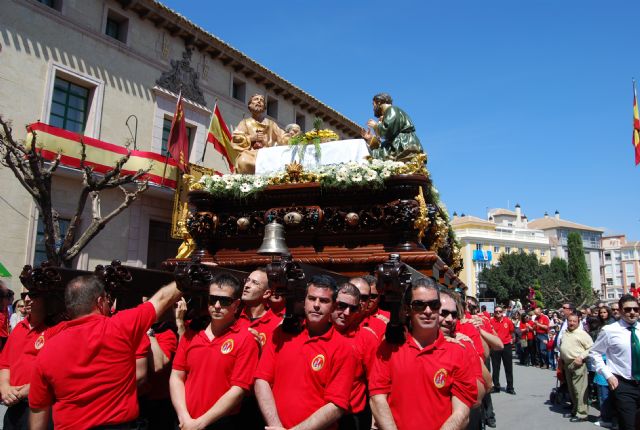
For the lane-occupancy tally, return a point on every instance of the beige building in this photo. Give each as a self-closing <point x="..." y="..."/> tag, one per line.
<point x="620" y="265"/>
<point x="483" y="241"/>
<point x="558" y="229"/>
<point x="95" y="66"/>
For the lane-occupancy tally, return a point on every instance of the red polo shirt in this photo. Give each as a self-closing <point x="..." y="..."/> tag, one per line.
<point x="420" y="383"/>
<point x="542" y="319"/>
<point x="364" y="342"/>
<point x="87" y="371"/>
<point x="469" y="330"/>
<point x="504" y="329"/>
<point x="306" y="373"/>
<point x="214" y="366"/>
<point x="376" y="324"/>
<point x="21" y="350"/>
<point x="263" y="325"/>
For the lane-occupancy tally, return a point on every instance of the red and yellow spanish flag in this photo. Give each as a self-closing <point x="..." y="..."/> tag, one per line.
<point x="178" y="142"/>
<point x="636" y="125"/>
<point x="220" y="137"/>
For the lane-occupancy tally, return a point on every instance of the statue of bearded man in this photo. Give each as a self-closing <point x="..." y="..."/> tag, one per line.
<point x="254" y="133"/>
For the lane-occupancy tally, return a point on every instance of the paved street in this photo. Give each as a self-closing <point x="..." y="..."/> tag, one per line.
<point x="530" y="409"/>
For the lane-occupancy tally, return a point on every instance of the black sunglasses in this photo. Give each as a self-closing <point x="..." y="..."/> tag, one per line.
<point x="445" y="313"/>
<point x="364" y="297"/>
<point x="373" y="296"/>
<point x="224" y="300"/>
<point x="628" y="309"/>
<point x="342" y="306"/>
<point x="421" y="305"/>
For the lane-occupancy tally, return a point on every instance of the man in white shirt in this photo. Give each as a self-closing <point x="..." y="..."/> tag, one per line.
<point x="620" y="343"/>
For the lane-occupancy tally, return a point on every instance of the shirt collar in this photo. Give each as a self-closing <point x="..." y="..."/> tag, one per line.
<point x="435" y="345"/>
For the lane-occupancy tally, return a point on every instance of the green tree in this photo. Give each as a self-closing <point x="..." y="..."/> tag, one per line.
<point x="554" y="283"/>
<point x="512" y="277"/>
<point x="539" y="296"/>
<point x="577" y="269"/>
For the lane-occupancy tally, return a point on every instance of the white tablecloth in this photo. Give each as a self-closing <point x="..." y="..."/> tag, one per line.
<point x="273" y="159"/>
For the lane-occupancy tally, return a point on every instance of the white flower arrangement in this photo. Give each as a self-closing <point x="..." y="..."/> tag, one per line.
<point x="337" y="176"/>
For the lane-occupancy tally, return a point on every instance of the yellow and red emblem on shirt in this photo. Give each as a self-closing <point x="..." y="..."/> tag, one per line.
<point x="318" y="362"/>
<point x="39" y="342"/>
<point x="227" y="346"/>
<point x="506" y="325"/>
<point x="263" y="339"/>
<point x="440" y="378"/>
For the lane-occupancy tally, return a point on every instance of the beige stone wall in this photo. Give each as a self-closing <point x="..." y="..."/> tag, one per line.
<point x="38" y="42"/>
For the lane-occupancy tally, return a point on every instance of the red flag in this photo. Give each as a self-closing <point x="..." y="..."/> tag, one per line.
<point x="178" y="140"/>
<point x="220" y="137"/>
<point x="636" y="125"/>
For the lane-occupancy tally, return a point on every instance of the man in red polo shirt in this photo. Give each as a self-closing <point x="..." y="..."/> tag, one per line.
<point x="305" y="379"/>
<point x="425" y="382"/>
<point x="541" y="325"/>
<point x="345" y="317"/>
<point x="87" y="371"/>
<point x="17" y="359"/>
<point x="255" y="314"/>
<point x="214" y="367"/>
<point x="505" y="330"/>
<point x="367" y="317"/>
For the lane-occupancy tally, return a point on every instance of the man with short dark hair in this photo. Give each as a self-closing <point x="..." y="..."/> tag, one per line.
<point x="621" y="345"/>
<point x="505" y="330"/>
<point x="425" y="382"/>
<point x="364" y="341"/>
<point x="541" y="326"/>
<point x="96" y="385"/>
<point x="214" y="367"/>
<point x="369" y="317"/>
<point x="305" y="379"/>
<point x="255" y="313"/>
<point x="615" y="311"/>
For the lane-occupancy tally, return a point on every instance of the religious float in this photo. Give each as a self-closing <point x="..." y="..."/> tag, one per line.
<point x="341" y="208"/>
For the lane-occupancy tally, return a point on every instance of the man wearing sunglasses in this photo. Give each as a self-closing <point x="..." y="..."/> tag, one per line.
<point x="305" y="379"/>
<point x="346" y="317"/>
<point x="87" y="371"/>
<point x="505" y="330"/>
<point x="465" y="332"/>
<point x="619" y="342"/>
<point x="17" y="359"/>
<point x="367" y="319"/>
<point x="425" y="382"/>
<point x="213" y="367"/>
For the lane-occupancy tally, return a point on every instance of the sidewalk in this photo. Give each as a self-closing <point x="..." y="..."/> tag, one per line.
<point x="530" y="408"/>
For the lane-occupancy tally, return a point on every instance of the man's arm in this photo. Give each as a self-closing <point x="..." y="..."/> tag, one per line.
<point x="176" y="390"/>
<point x="10" y="394"/>
<point x="39" y="419"/>
<point x="382" y="412"/>
<point x="221" y="408"/>
<point x="492" y="340"/>
<point x="267" y="403"/>
<point x="459" y="418"/>
<point x="160" y="360"/>
<point x="322" y="418"/>
<point x="165" y="297"/>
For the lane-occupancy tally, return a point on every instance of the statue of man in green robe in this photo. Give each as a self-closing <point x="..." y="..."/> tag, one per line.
<point x="394" y="135"/>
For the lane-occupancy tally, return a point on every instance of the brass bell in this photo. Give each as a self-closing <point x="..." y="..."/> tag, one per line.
<point x="273" y="242"/>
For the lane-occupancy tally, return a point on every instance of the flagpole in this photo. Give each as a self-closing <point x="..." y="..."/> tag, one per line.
<point x="204" y="151"/>
<point x="166" y="158"/>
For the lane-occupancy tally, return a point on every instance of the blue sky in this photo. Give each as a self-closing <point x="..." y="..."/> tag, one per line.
<point x="524" y="102"/>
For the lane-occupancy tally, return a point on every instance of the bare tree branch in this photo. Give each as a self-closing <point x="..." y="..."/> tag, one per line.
<point x="98" y="224"/>
<point x="54" y="164"/>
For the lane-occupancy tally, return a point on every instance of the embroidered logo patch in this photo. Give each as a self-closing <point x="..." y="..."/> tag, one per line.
<point x="506" y="325"/>
<point x="440" y="378"/>
<point x="318" y="362"/>
<point x="263" y="338"/>
<point x="227" y="346"/>
<point x="39" y="342"/>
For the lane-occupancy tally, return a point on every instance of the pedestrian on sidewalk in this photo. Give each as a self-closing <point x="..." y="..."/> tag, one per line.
<point x="505" y="330"/>
<point x="574" y="350"/>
